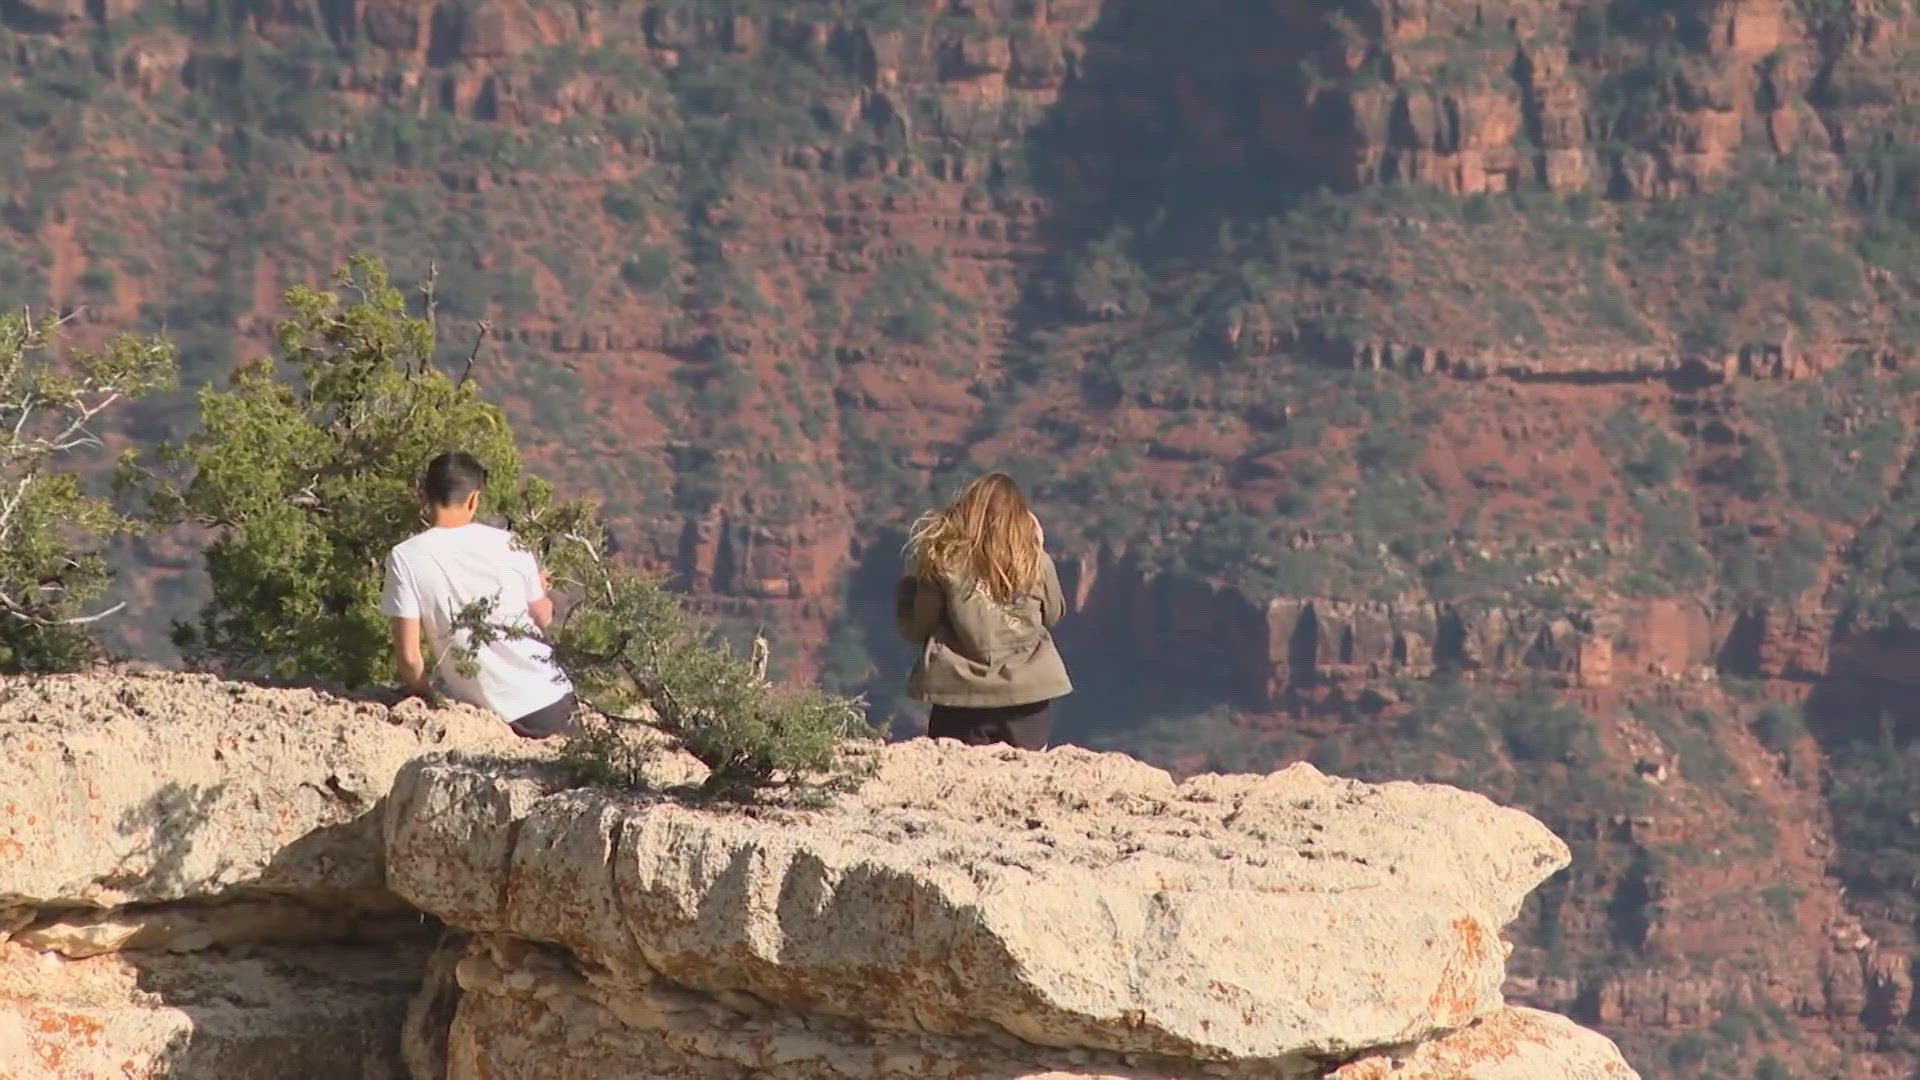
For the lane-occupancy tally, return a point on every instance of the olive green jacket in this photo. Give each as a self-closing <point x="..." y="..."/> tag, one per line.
<point x="978" y="653"/>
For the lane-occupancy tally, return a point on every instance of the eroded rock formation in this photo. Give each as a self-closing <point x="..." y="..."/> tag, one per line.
<point x="211" y="879"/>
<point x="191" y="881"/>
<point x="1072" y="914"/>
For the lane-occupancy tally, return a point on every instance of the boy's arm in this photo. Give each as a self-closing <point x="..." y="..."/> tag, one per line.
<point x="541" y="612"/>
<point x="402" y="608"/>
<point x="408" y="658"/>
<point x="539" y="604"/>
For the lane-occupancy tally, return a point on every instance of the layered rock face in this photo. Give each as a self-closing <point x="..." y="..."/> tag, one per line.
<point x="191" y="881"/>
<point x="1069" y="914"/>
<point x="1264" y="649"/>
<point x="1066" y="914"/>
<point x="907" y="144"/>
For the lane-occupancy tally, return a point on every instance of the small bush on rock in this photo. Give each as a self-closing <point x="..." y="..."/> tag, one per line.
<point x="632" y="649"/>
<point x="50" y="563"/>
<point x="306" y="471"/>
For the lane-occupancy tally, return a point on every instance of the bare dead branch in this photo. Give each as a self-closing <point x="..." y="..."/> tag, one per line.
<point x="13" y="501"/>
<point x="482" y="329"/>
<point x="11" y="607"/>
<point x="760" y="655"/>
<point x="638" y="721"/>
<point x="432" y="292"/>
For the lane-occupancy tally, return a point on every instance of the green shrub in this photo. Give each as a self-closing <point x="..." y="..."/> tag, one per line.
<point x="1659" y="461"/>
<point x="306" y="468"/>
<point x="629" y="643"/>
<point x="1836" y="442"/>
<point x="98" y="280"/>
<point x="1772" y="1068"/>
<point x="1755" y="474"/>
<point x="1873" y="786"/>
<point x="1104" y="280"/>
<point x="1688" y="1052"/>
<point x="910" y="303"/>
<point x="649" y="270"/>
<point x="50" y="562"/>
<point x="624" y="205"/>
<point x="1735" y="1027"/>
<point x="1540" y="728"/>
<point x="1702" y="759"/>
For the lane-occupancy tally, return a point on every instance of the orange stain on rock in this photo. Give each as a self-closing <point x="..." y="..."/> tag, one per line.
<point x="72" y="1025"/>
<point x="61" y="1031"/>
<point x="1457" y="998"/>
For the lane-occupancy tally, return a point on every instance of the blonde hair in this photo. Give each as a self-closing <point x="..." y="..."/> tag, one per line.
<point x="988" y="538"/>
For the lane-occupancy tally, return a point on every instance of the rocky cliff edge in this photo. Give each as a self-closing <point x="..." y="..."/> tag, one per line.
<point x="207" y="879"/>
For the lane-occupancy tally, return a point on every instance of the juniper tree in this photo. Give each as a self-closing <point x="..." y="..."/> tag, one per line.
<point x="51" y="530"/>
<point x="305" y="468"/>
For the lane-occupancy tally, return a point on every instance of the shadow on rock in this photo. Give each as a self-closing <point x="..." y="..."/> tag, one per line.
<point x="171" y="819"/>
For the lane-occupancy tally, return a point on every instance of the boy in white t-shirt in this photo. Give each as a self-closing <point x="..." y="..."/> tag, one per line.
<point x="433" y="576"/>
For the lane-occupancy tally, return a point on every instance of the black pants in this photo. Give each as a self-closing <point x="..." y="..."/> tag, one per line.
<point x="1024" y="726"/>
<point x="554" y="719"/>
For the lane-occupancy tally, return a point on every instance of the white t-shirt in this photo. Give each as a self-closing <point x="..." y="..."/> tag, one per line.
<point x="435" y="575"/>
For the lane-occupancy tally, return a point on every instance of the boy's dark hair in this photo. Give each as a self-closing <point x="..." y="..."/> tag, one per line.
<point x="451" y="477"/>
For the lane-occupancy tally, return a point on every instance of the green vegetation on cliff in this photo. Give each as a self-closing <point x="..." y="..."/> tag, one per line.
<point x="305" y="471"/>
<point x="52" y="407"/>
<point x="305" y="468"/>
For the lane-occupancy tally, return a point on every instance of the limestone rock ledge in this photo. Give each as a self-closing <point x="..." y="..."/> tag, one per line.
<point x="1514" y="1044"/>
<point x="205" y="879"/>
<point x="191" y="881"/>
<point x="1067" y="914"/>
<point x="132" y="788"/>
<point x="530" y="1014"/>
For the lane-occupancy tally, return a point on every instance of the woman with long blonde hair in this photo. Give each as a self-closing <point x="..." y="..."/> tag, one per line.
<point x="980" y="598"/>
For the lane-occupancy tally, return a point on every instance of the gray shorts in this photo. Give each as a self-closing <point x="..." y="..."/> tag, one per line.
<point x="542" y="723"/>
